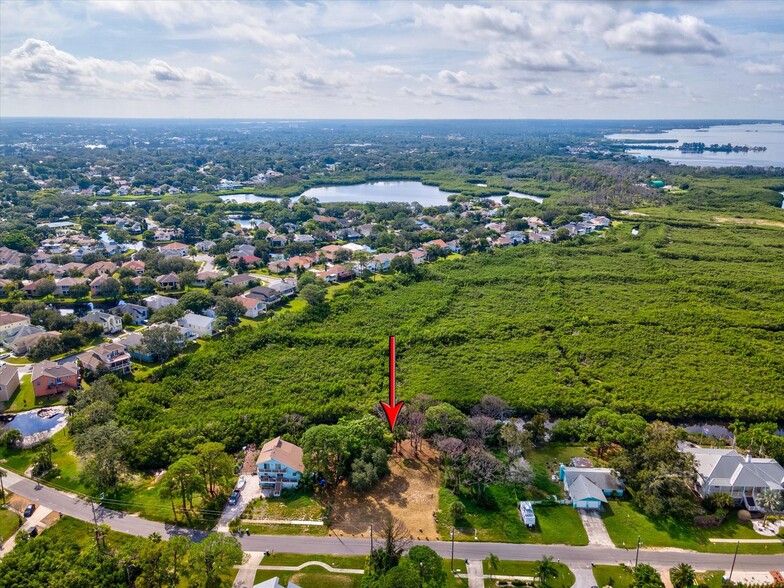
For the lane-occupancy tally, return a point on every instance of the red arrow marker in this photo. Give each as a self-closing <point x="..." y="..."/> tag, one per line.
<point x="392" y="409"/>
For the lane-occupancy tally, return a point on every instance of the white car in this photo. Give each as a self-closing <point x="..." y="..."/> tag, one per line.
<point x="241" y="483"/>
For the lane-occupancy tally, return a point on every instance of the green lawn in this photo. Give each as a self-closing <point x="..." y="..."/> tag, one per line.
<point x="292" y="506"/>
<point x="711" y="578"/>
<point x="625" y="523"/>
<point x="528" y="568"/>
<point x="545" y="462"/>
<point x="307" y="530"/>
<point x="9" y="523"/>
<point x="555" y="524"/>
<point x="354" y="562"/>
<point x="615" y="576"/>
<point x="24" y="399"/>
<point x="17" y="360"/>
<point x="312" y="577"/>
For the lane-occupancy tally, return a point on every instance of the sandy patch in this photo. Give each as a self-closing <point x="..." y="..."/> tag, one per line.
<point x="748" y="221"/>
<point x="409" y="493"/>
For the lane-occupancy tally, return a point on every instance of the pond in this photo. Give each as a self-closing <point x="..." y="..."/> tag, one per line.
<point x="35" y="421"/>
<point x="408" y="192"/>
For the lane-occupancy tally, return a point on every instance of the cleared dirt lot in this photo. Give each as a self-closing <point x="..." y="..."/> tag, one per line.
<point x="409" y="493"/>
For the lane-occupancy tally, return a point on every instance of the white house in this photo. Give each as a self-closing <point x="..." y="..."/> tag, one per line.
<point x="197" y="324"/>
<point x="156" y="302"/>
<point x="253" y="306"/>
<point x="279" y="466"/>
<point x="111" y="324"/>
<point x="743" y="477"/>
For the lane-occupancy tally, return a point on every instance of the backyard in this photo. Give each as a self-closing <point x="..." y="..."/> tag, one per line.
<point x="625" y="523"/>
<point x="24" y="399"/>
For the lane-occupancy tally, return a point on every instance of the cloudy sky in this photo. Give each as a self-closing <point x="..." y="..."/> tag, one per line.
<point x="426" y="59"/>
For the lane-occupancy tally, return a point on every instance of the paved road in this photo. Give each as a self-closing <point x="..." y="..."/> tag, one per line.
<point x="574" y="556"/>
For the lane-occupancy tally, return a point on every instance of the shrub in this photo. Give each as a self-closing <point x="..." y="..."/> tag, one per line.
<point x="744" y="517"/>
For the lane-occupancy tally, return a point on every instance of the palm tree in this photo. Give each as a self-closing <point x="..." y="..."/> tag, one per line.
<point x="545" y="570"/>
<point x="683" y="576"/>
<point x="769" y="500"/>
<point x="493" y="562"/>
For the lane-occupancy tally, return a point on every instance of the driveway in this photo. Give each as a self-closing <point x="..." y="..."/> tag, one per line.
<point x="250" y="491"/>
<point x="594" y="526"/>
<point x="35" y="519"/>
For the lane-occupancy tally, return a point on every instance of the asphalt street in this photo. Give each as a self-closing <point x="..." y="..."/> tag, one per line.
<point x="574" y="556"/>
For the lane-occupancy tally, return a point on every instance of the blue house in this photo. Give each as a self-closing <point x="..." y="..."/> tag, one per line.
<point x="589" y="487"/>
<point x="279" y="466"/>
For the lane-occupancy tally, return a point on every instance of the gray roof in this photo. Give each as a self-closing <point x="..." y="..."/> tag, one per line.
<point x="582" y="488"/>
<point x="601" y="477"/>
<point x="7" y="373"/>
<point x="727" y="467"/>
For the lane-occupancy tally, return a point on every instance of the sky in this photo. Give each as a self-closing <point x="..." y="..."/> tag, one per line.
<point x="390" y="60"/>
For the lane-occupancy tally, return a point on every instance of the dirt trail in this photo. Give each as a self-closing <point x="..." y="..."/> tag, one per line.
<point x="409" y="493"/>
<point x="748" y="221"/>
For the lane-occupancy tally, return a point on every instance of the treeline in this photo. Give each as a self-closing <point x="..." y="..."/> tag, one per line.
<point x="71" y="555"/>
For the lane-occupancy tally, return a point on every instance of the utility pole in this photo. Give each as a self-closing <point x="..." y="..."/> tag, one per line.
<point x="371" y="538"/>
<point x="2" y="487"/>
<point x="97" y="532"/>
<point x="452" y="536"/>
<point x="734" y="557"/>
<point x="637" y="558"/>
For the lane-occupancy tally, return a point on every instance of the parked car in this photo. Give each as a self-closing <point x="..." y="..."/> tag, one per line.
<point x="28" y="511"/>
<point x="235" y="496"/>
<point x="241" y="483"/>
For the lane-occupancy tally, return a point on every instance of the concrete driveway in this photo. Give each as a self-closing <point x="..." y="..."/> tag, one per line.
<point x="594" y="526"/>
<point x="249" y="492"/>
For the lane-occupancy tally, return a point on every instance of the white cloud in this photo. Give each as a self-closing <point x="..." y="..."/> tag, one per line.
<point x="465" y="80"/>
<point x="37" y="66"/>
<point x="661" y="35"/>
<point x="525" y="57"/>
<point x="387" y="70"/>
<point x="540" y="89"/>
<point x="761" y="68"/>
<point x="472" y="21"/>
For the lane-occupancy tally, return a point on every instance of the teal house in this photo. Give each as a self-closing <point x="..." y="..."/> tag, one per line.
<point x="589" y="488"/>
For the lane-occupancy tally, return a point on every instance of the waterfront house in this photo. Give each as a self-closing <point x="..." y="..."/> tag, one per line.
<point x="50" y="377"/>
<point x="9" y="381"/>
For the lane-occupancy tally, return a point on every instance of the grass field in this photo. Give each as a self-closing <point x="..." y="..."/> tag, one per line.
<point x="625" y="523"/>
<point x="615" y="576"/>
<point x="291" y="506"/>
<point x="9" y="523"/>
<point x="528" y="568"/>
<point x="312" y="577"/>
<point x="24" y="399"/>
<point x="336" y="561"/>
<point x="554" y="524"/>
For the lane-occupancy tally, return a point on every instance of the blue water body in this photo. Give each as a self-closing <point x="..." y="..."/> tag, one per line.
<point x="29" y="423"/>
<point x="408" y="192"/>
<point x="770" y="135"/>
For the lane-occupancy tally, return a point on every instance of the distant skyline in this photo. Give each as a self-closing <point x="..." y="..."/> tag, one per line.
<point x="382" y="60"/>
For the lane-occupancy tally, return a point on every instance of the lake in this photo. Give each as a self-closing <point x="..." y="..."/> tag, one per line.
<point x="408" y="192"/>
<point x="758" y="135"/>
